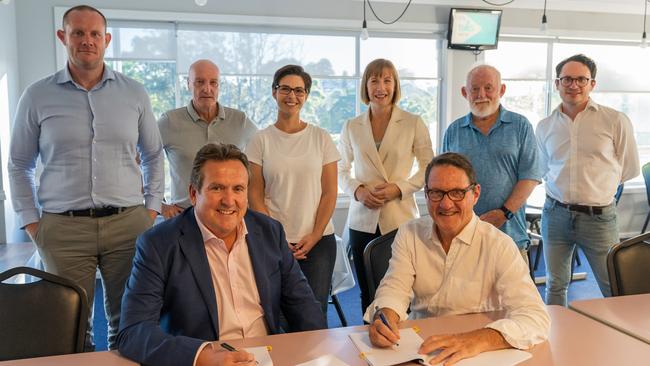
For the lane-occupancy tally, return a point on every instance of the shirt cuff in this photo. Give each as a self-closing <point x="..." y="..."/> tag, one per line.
<point x="203" y="345"/>
<point x="153" y="203"/>
<point x="27" y="217"/>
<point x="514" y="334"/>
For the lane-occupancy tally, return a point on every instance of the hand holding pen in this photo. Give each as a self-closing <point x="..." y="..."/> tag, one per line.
<point x="383" y="331"/>
<point x="211" y="356"/>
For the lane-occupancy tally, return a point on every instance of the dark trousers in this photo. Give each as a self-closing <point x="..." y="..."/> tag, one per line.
<point x="318" y="268"/>
<point x="358" y="241"/>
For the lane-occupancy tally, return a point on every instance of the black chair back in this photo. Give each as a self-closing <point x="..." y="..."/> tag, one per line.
<point x="44" y="318"/>
<point x="375" y="258"/>
<point x="645" y="170"/>
<point x="628" y="266"/>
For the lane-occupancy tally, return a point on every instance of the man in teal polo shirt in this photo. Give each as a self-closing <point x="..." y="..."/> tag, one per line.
<point x="501" y="146"/>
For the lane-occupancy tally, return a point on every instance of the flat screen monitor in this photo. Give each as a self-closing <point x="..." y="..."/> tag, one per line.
<point x="473" y="29"/>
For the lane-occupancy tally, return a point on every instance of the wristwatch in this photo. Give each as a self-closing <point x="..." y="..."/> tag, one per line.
<point x="507" y="213"/>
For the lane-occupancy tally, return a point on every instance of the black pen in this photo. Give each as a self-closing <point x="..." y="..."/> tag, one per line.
<point x="383" y="320"/>
<point x="230" y="348"/>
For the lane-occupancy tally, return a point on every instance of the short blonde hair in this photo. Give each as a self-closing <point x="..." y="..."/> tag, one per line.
<point x="376" y="68"/>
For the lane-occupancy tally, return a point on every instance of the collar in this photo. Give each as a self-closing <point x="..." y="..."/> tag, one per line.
<point x="465" y="236"/>
<point x="207" y="235"/>
<point x="396" y="115"/>
<point x="221" y="112"/>
<point x="590" y="105"/>
<point x="505" y="116"/>
<point x="64" y="76"/>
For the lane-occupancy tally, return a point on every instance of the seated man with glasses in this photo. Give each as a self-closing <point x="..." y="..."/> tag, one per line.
<point x="453" y="263"/>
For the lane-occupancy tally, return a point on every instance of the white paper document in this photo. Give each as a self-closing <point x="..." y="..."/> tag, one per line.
<point x="326" y="360"/>
<point x="262" y="355"/>
<point x="409" y="345"/>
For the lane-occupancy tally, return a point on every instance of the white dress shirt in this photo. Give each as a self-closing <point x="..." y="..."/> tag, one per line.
<point x="483" y="271"/>
<point x="585" y="160"/>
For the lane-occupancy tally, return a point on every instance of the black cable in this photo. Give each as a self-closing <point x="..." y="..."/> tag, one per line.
<point x="645" y="14"/>
<point x="396" y="19"/>
<point x="503" y="4"/>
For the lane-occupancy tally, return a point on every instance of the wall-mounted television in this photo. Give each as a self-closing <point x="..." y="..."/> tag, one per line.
<point x="473" y="29"/>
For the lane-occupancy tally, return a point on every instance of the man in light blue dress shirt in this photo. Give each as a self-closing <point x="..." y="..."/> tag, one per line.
<point x="501" y="146"/>
<point x="102" y="179"/>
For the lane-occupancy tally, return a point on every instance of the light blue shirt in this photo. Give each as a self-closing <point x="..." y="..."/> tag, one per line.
<point x="88" y="142"/>
<point x="505" y="156"/>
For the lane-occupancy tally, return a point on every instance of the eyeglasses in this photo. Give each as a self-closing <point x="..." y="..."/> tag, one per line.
<point x="436" y="195"/>
<point x="568" y="80"/>
<point x="200" y="83"/>
<point x="286" y="90"/>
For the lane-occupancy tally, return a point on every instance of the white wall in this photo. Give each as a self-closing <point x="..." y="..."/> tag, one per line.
<point x="9" y="94"/>
<point x="36" y="43"/>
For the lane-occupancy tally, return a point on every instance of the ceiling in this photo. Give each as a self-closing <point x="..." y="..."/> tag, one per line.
<point x="599" y="6"/>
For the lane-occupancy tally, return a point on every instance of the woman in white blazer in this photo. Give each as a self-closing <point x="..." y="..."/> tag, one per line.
<point x="383" y="143"/>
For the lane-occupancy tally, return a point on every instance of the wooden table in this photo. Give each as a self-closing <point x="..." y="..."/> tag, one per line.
<point x="574" y="340"/>
<point x="15" y="254"/>
<point x="106" y="358"/>
<point x="629" y="314"/>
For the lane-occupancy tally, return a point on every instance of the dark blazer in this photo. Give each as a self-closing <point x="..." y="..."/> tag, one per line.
<point x="169" y="306"/>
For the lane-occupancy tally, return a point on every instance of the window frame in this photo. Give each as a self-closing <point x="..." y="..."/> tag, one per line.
<point x="630" y="186"/>
<point x="278" y="25"/>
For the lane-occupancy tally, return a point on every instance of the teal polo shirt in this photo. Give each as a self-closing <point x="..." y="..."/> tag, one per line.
<point x="506" y="155"/>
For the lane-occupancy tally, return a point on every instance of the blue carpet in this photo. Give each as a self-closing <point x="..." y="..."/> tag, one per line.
<point x="351" y="302"/>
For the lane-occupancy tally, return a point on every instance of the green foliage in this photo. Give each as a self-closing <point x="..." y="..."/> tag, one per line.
<point x="247" y="62"/>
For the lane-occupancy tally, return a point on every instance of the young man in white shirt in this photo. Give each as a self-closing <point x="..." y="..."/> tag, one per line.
<point x="587" y="150"/>
<point x="451" y="262"/>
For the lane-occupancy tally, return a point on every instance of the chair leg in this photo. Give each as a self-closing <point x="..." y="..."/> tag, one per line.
<point x="538" y="254"/>
<point x="645" y="225"/>
<point x="530" y="264"/>
<point x="339" y="310"/>
<point x="575" y="261"/>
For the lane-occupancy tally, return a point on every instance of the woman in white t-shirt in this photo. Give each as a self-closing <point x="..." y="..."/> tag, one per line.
<point x="294" y="180"/>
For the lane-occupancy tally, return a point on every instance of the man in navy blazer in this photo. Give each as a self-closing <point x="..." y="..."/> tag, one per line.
<point x="170" y="311"/>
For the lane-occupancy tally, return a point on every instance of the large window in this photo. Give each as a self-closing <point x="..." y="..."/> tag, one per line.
<point x="160" y="54"/>
<point x="620" y="80"/>
<point x="523" y="70"/>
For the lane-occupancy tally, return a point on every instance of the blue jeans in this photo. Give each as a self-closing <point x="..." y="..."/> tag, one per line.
<point x="562" y="230"/>
<point x="318" y="268"/>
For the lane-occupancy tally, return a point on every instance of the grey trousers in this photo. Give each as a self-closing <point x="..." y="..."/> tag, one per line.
<point x="74" y="247"/>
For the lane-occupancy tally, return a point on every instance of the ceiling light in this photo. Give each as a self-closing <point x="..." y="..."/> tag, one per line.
<point x="544" y="26"/>
<point x="364" y="25"/>
<point x="201" y="2"/>
<point x="644" y="39"/>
